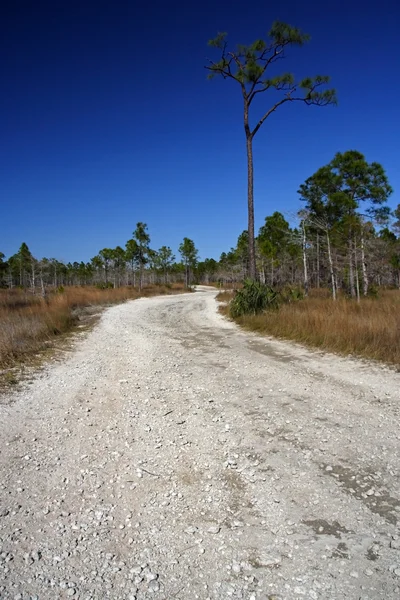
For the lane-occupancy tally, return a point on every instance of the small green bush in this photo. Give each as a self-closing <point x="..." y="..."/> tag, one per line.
<point x="104" y="286"/>
<point x="289" y="294"/>
<point x="373" y="291"/>
<point x="253" y="298"/>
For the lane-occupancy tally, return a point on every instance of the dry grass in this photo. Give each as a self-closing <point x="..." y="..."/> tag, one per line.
<point x="225" y="296"/>
<point x="28" y="323"/>
<point x="228" y="285"/>
<point x="370" y="329"/>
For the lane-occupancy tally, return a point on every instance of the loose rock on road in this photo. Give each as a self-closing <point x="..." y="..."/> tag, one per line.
<point x="170" y="455"/>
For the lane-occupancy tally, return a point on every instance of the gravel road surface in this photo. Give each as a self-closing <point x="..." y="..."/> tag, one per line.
<point x="170" y="455"/>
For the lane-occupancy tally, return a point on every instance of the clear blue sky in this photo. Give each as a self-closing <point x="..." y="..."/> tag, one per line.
<point x="107" y="118"/>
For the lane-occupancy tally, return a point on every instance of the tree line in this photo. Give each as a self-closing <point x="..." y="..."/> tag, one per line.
<point x="345" y="238"/>
<point x="134" y="264"/>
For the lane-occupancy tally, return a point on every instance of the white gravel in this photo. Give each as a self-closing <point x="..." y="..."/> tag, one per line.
<point x="170" y="455"/>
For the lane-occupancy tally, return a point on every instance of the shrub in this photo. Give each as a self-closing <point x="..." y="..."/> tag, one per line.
<point x="289" y="294"/>
<point x="373" y="291"/>
<point x="105" y="286"/>
<point x="253" y="298"/>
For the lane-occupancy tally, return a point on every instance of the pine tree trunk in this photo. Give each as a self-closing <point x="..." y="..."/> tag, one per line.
<point x="305" y="261"/>
<point x="133" y="273"/>
<point x="332" y="272"/>
<point x="318" y="275"/>
<point x="351" y="267"/>
<point x="356" y="273"/>
<point x="262" y="273"/>
<point x="140" y="277"/>
<point x="364" y="267"/>
<point x="42" y="284"/>
<point x="33" y="278"/>
<point x="250" y="205"/>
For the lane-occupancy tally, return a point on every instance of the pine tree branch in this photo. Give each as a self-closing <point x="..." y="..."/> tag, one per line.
<point x="268" y="113"/>
<point x="276" y="56"/>
<point x="235" y="58"/>
<point x="225" y="71"/>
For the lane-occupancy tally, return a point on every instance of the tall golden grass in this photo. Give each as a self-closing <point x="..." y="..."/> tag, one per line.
<point x="369" y="329"/>
<point x="225" y="296"/>
<point x="228" y="285"/>
<point x="28" y="323"/>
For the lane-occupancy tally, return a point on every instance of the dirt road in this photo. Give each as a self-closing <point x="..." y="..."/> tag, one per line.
<point x="170" y="455"/>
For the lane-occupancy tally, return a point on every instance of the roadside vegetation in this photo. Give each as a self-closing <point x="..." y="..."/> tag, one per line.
<point x="329" y="275"/>
<point x="331" y="279"/>
<point x="31" y="323"/>
<point x="369" y="328"/>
